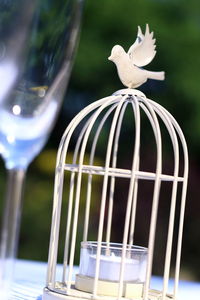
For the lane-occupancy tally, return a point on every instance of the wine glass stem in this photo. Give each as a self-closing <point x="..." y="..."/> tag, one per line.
<point x="11" y="221"/>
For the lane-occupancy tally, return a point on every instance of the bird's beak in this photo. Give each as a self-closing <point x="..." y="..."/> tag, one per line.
<point x="110" y="58"/>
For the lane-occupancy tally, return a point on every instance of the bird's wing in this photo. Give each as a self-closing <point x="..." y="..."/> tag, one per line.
<point x="143" y="51"/>
<point x="138" y="40"/>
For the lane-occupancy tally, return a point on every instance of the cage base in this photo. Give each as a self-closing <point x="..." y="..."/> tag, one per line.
<point x="55" y="295"/>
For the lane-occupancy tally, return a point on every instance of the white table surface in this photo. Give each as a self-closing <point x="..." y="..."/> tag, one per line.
<point x="30" y="281"/>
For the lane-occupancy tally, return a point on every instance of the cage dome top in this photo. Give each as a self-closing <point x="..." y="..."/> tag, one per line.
<point x="140" y="54"/>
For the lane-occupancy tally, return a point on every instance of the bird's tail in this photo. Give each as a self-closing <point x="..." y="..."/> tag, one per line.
<point x="156" y="75"/>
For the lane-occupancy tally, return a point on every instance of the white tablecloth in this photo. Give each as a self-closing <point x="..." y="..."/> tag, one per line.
<point x="30" y="281"/>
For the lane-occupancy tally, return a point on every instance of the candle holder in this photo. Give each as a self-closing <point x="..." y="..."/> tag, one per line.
<point x="110" y="267"/>
<point x="117" y="270"/>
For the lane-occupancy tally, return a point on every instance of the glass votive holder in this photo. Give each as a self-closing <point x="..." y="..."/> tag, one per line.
<point x="110" y="263"/>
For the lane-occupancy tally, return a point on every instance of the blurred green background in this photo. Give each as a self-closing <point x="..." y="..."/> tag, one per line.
<point x="176" y="24"/>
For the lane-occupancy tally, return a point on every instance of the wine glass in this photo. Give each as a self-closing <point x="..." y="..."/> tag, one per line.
<point x="37" y="42"/>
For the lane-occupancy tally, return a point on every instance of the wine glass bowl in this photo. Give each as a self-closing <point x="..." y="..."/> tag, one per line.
<point x="28" y="112"/>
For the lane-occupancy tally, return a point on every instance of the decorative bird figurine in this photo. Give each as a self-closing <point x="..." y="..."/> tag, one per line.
<point x="140" y="54"/>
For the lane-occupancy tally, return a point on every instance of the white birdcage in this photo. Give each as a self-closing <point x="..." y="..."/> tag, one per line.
<point x="120" y="269"/>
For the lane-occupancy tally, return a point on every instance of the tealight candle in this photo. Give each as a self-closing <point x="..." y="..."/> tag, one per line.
<point x="110" y="268"/>
<point x="110" y="262"/>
